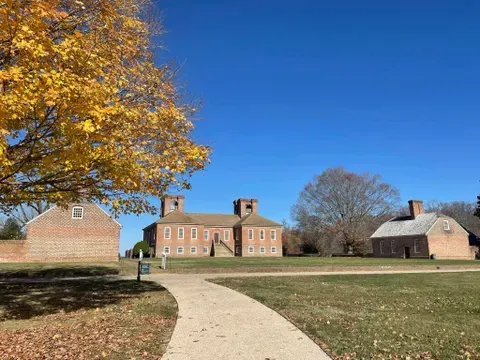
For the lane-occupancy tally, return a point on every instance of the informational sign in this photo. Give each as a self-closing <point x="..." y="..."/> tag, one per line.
<point x="144" y="269"/>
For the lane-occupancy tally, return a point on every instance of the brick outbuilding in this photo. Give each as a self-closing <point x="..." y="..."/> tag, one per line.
<point x="422" y="235"/>
<point x="79" y="232"/>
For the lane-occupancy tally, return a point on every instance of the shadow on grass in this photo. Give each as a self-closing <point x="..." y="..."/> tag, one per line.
<point x="59" y="272"/>
<point x="24" y="301"/>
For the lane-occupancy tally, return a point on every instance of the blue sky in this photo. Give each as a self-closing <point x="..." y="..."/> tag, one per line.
<point x="290" y="88"/>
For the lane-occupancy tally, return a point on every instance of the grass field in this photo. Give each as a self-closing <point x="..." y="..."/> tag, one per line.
<point x="407" y="316"/>
<point x="85" y="319"/>
<point x="217" y="265"/>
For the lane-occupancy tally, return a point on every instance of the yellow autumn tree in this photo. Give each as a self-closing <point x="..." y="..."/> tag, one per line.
<point x="84" y="111"/>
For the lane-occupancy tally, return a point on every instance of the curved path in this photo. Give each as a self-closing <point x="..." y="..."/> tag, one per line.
<point x="216" y="323"/>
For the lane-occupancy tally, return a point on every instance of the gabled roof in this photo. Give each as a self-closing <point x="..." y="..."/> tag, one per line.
<point x="406" y="226"/>
<point x="256" y="220"/>
<point x="178" y="217"/>
<point x="82" y="204"/>
<point x="220" y="220"/>
<point x="215" y="219"/>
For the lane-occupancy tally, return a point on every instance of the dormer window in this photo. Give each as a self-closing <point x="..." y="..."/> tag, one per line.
<point x="77" y="212"/>
<point x="248" y="208"/>
<point x="446" y="225"/>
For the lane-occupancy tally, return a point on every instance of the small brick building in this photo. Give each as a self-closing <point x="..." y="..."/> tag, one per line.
<point x="243" y="233"/>
<point x="422" y="235"/>
<point x="80" y="232"/>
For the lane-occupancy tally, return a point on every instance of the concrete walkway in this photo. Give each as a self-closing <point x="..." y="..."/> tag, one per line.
<point x="216" y="323"/>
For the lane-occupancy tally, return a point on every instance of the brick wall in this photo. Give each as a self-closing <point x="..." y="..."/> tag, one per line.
<point x="56" y="236"/>
<point x="186" y="243"/>
<point x="258" y="244"/>
<point x="399" y="243"/>
<point x="450" y="244"/>
<point x="12" y="250"/>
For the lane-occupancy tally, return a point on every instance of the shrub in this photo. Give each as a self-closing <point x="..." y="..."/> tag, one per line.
<point x="141" y="245"/>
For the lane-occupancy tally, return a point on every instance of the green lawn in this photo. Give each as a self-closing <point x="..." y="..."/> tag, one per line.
<point x="85" y="319"/>
<point x="292" y="263"/>
<point x="408" y="316"/>
<point x="217" y="265"/>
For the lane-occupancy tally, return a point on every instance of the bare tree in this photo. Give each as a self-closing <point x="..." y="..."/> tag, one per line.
<point x="345" y="207"/>
<point x="463" y="212"/>
<point x="26" y="212"/>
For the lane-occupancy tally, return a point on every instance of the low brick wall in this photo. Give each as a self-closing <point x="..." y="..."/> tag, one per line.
<point x="12" y="250"/>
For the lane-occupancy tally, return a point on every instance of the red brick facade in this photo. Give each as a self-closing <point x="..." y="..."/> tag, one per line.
<point x="175" y="236"/>
<point x="58" y="235"/>
<point x="441" y="237"/>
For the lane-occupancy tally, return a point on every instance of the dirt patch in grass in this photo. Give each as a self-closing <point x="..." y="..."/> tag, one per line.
<point x="407" y="316"/>
<point x="95" y="319"/>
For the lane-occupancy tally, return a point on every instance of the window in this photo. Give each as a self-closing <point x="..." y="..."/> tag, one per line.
<point x="173" y="206"/>
<point x="166" y="233"/>
<point x="381" y="247"/>
<point x="416" y="246"/>
<point x="194" y="233"/>
<point x="77" y="212"/>
<point x="262" y="250"/>
<point x="205" y="235"/>
<point x="393" y="246"/>
<point x="446" y="225"/>
<point x="226" y="235"/>
<point x="250" y="234"/>
<point x="181" y="233"/>
<point x="250" y="250"/>
<point x="237" y="233"/>
<point x="193" y="250"/>
<point x="205" y="249"/>
<point x="166" y="250"/>
<point x="262" y="234"/>
<point x="248" y="208"/>
<point x="274" y="249"/>
<point x="180" y="250"/>
<point x="273" y="234"/>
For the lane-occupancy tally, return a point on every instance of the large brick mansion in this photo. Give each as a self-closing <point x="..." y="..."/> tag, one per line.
<point x="243" y="233"/>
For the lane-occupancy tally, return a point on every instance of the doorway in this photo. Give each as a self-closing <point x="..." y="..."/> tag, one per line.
<point x="406" y="252"/>
<point x="216" y="238"/>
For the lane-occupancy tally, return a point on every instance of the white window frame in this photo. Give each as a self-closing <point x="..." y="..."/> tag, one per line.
<point x="264" y="250"/>
<point x="165" y="233"/>
<point x="166" y="250"/>
<point x="382" y="247"/>
<point x="183" y="233"/>
<point x="393" y="246"/>
<point x="416" y="246"/>
<point x="205" y="232"/>
<point x="446" y="225"/>
<point x="250" y="247"/>
<point x="262" y="234"/>
<point x="195" y="250"/>
<point x="273" y="249"/>
<point x="81" y="212"/>
<point x="226" y="235"/>
<point x="182" y="252"/>
<point x="196" y="234"/>
<point x="274" y="232"/>
<point x="205" y="249"/>
<point x="250" y="231"/>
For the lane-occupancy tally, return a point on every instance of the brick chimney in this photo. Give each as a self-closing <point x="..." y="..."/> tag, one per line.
<point x="242" y="207"/>
<point x="416" y="208"/>
<point x="172" y="203"/>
